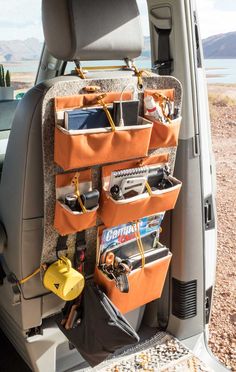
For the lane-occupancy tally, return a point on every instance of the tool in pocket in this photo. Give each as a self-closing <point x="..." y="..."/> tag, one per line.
<point x="116" y="268"/>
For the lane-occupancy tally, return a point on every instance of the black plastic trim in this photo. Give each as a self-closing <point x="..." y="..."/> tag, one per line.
<point x="184" y="298"/>
<point x="208" y="301"/>
<point x="209" y="213"/>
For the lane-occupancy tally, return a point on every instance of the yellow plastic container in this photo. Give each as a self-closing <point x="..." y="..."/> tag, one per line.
<point x="63" y="280"/>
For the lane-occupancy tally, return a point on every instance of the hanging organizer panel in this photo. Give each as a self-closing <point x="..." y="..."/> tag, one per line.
<point x="51" y="169"/>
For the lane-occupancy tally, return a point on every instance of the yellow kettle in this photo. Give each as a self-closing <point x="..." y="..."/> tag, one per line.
<point x="63" y="280"/>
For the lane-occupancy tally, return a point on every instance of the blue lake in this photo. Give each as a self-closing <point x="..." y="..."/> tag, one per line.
<point x="217" y="70"/>
<point x="221" y="70"/>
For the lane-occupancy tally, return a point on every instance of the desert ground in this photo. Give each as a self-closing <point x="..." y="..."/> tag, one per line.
<point x="222" y="328"/>
<point x="223" y="319"/>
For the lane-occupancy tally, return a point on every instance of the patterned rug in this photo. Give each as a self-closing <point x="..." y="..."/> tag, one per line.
<point x="161" y="353"/>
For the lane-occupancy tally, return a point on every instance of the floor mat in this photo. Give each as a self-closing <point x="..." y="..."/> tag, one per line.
<point x="161" y="353"/>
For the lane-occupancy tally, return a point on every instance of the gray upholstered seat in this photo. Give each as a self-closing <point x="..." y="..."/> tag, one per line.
<point x="84" y="30"/>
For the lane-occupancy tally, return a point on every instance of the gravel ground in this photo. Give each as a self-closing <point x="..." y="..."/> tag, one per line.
<point x="223" y="319"/>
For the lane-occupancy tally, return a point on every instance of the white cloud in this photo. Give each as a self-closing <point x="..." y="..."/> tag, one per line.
<point x="142" y="4"/>
<point x="216" y="17"/>
<point x="20" y="19"/>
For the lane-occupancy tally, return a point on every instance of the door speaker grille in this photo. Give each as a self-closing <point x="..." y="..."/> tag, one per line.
<point x="184" y="299"/>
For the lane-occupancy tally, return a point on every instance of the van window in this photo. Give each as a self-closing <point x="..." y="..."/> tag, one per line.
<point x="21" y="41"/>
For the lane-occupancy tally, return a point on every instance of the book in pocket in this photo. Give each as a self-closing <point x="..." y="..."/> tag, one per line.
<point x="86" y="118"/>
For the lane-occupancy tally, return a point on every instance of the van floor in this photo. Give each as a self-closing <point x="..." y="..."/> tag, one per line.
<point x="157" y="352"/>
<point x="161" y="353"/>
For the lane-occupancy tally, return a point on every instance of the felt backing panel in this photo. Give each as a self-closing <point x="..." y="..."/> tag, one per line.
<point x="67" y="88"/>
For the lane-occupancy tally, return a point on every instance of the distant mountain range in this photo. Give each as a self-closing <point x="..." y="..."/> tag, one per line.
<point x="20" y="50"/>
<point x="220" y="46"/>
<point x="217" y="46"/>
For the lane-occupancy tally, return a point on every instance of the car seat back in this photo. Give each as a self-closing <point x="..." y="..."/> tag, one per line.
<point x="69" y="35"/>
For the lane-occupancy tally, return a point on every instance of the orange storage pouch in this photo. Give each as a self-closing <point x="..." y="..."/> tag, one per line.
<point x="62" y="104"/>
<point x="145" y="284"/>
<point x="86" y="149"/>
<point x="163" y="135"/>
<point x="67" y="221"/>
<point x="78" y="149"/>
<point x="80" y="100"/>
<point x="117" y="212"/>
<point x="169" y="93"/>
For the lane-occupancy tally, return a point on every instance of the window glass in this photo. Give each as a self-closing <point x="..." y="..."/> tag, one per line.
<point x="21" y="41"/>
<point x="145" y="59"/>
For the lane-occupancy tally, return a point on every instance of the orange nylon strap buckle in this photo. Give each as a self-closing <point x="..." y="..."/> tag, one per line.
<point x="78" y="69"/>
<point x="92" y="88"/>
<point x="80" y="72"/>
<point x="139" y="74"/>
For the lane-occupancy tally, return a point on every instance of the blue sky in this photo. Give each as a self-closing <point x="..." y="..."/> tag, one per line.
<point x="21" y="18"/>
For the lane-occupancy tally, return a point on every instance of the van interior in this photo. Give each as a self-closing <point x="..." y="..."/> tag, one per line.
<point x="41" y="157"/>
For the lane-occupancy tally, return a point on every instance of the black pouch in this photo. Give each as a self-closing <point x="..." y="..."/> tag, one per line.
<point x="103" y="329"/>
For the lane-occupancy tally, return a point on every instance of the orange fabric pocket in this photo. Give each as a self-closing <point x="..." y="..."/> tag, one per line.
<point x="67" y="221"/>
<point x="145" y="285"/>
<point x="85" y="149"/>
<point x="165" y="135"/>
<point x="169" y="93"/>
<point x="117" y="212"/>
<point x="72" y="102"/>
<point x="61" y="104"/>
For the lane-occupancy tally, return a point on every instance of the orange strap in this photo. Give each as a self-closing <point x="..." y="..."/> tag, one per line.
<point x="139" y="242"/>
<point x="35" y="272"/>
<point x="139" y="74"/>
<point x="75" y="182"/>
<point x="107" y="112"/>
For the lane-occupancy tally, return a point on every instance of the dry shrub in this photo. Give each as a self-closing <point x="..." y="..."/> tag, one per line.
<point x="213" y="112"/>
<point x="220" y="100"/>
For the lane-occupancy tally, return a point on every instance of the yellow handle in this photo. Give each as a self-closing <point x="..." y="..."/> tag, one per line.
<point x="66" y="261"/>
